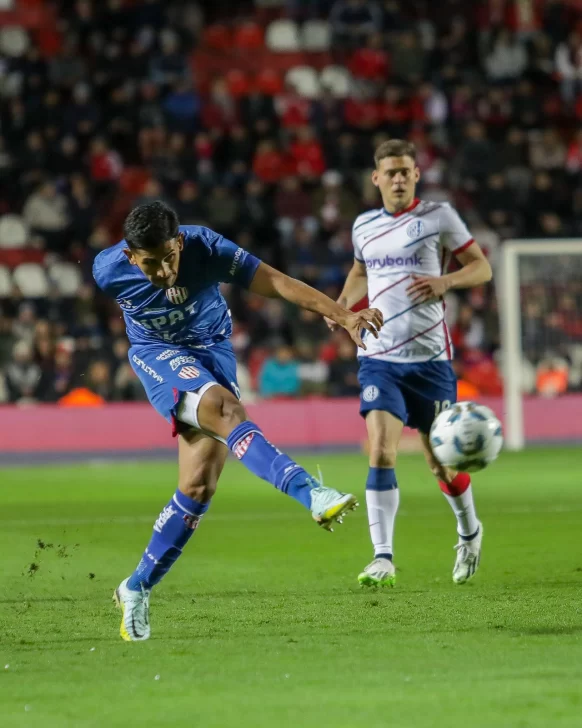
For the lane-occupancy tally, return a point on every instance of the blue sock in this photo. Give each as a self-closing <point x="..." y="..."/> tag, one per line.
<point x="257" y="454"/>
<point x="172" y="531"/>
<point x="381" y="479"/>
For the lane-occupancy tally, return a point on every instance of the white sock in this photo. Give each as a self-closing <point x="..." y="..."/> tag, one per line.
<point x="462" y="504"/>
<point x="382" y="508"/>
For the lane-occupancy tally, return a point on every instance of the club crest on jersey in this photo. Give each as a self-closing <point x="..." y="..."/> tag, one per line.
<point x="177" y="294"/>
<point x="415" y="229"/>
<point x="189" y="373"/>
<point x="370" y="393"/>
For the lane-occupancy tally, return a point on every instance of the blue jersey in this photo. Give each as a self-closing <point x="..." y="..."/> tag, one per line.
<point x="193" y="312"/>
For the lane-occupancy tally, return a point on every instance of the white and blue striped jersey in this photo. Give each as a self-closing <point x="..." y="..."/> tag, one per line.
<point x="421" y="240"/>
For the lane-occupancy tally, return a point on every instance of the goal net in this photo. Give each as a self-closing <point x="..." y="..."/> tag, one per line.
<point x="540" y="300"/>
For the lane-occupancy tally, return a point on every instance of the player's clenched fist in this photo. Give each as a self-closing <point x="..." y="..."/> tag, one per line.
<point x="370" y="319"/>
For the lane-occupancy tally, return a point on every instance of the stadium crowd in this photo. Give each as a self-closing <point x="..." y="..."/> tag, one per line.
<point x="121" y="103"/>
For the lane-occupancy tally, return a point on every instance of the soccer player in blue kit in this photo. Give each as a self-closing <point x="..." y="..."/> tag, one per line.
<point x="166" y="279"/>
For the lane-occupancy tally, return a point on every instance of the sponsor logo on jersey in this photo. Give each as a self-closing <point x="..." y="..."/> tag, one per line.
<point x="370" y="393"/>
<point x="168" y="354"/>
<point x="189" y="373"/>
<point x="125" y="304"/>
<point x="179" y="361"/>
<point x="243" y="445"/>
<point x="389" y="262"/>
<point x="177" y="294"/>
<point x="164" y="517"/>
<point x="147" y="369"/>
<point x="192" y="521"/>
<point x="235" y="261"/>
<point x="415" y="229"/>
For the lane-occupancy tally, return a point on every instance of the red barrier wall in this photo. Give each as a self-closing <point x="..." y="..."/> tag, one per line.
<point x="306" y="423"/>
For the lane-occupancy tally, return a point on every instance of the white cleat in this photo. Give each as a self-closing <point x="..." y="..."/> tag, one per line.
<point x="468" y="558"/>
<point x="329" y="505"/>
<point x="135" y="609"/>
<point x="381" y="572"/>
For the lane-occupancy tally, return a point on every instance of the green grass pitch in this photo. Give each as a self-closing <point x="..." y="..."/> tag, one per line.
<point x="262" y="623"/>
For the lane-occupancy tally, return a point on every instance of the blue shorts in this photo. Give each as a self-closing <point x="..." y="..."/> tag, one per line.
<point x="167" y="373"/>
<point x="414" y="393"/>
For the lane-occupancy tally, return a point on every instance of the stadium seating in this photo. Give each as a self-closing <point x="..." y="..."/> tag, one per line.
<point x="316" y="36"/>
<point x="66" y="277"/>
<point x="283" y="36"/>
<point x="13" y="232"/>
<point x="31" y="280"/>
<point x="305" y="80"/>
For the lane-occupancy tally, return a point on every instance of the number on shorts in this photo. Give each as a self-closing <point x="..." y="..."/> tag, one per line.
<point x="441" y="406"/>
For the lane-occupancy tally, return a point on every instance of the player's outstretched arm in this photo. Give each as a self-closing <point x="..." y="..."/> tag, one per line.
<point x="271" y="283"/>
<point x="474" y="272"/>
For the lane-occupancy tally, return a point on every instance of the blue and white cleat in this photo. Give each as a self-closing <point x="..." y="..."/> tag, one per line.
<point x="135" y="611"/>
<point x="468" y="557"/>
<point x="329" y="505"/>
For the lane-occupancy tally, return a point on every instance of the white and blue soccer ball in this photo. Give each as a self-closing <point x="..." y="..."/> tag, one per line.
<point x="466" y="437"/>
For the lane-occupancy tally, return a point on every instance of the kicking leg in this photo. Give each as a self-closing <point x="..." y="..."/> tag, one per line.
<point x="457" y="489"/>
<point x="218" y="411"/>
<point x="201" y="460"/>
<point x="382" y="495"/>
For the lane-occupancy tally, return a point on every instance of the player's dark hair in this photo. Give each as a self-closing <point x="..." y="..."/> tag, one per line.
<point x="394" y="148"/>
<point x="151" y="225"/>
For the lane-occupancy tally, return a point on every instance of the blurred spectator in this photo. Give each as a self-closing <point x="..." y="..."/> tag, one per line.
<point x="22" y="374"/>
<point x="182" y="107"/>
<point x="46" y="213"/>
<point x="189" y="205"/>
<point x="343" y="371"/>
<point x="569" y="66"/>
<point x="353" y="20"/>
<point x="548" y="151"/>
<point x="507" y="59"/>
<point x="280" y="374"/>
<point x="312" y="372"/>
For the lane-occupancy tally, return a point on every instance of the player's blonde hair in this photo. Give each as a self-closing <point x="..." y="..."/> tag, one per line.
<point x="394" y="148"/>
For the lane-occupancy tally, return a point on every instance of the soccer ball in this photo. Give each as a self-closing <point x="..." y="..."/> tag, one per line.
<point x="467" y="437"/>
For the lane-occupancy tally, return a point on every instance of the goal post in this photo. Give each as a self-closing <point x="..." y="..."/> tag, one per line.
<point x="544" y="264"/>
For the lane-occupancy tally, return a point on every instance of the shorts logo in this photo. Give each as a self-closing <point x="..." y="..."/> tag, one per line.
<point x="243" y="445"/>
<point x="168" y="354"/>
<point x="415" y="229"/>
<point x="179" y="361"/>
<point x="189" y="373"/>
<point x="147" y="369"/>
<point x="192" y="521"/>
<point x="370" y="393"/>
<point x="177" y="294"/>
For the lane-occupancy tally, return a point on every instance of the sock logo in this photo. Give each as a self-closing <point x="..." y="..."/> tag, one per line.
<point x="192" y="521"/>
<point x="164" y="517"/>
<point x="243" y="445"/>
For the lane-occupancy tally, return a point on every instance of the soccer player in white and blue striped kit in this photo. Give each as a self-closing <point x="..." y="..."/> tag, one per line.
<point x="401" y="256"/>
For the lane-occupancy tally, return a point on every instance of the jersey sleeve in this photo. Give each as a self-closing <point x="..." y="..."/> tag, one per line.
<point x="229" y="263"/>
<point x="454" y="234"/>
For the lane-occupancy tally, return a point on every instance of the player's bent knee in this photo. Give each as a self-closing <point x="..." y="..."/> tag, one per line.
<point x="198" y="487"/>
<point x="220" y="411"/>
